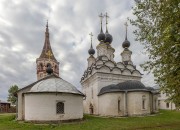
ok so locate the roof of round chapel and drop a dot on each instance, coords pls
(54, 84)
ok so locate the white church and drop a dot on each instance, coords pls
(109, 88)
(115, 88)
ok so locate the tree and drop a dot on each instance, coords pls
(158, 28)
(11, 97)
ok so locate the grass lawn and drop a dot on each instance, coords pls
(165, 120)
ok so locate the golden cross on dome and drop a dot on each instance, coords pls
(49, 54)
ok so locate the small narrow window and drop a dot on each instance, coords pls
(60, 108)
(143, 102)
(119, 105)
(167, 105)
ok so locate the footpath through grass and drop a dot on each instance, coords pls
(165, 120)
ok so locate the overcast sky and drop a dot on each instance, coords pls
(22, 27)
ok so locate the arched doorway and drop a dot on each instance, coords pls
(91, 109)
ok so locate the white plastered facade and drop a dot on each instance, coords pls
(38, 101)
(42, 106)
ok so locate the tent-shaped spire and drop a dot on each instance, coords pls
(47, 51)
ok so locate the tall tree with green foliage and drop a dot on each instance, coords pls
(11, 97)
(158, 28)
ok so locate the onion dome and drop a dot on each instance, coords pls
(101, 36)
(49, 69)
(91, 51)
(126, 43)
(108, 37)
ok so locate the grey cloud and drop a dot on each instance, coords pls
(70, 22)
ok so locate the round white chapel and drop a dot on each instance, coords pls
(53, 99)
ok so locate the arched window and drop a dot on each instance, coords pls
(167, 105)
(143, 102)
(60, 108)
(91, 109)
(119, 105)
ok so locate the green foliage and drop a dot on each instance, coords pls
(166, 120)
(158, 28)
(11, 97)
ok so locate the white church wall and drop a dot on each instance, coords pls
(42, 106)
(135, 105)
(21, 103)
(90, 89)
(163, 104)
(166, 105)
(106, 79)
(108, 104)
(98, 81)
